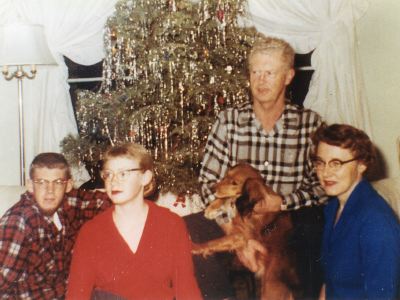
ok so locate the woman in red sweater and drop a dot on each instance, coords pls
(135, 249)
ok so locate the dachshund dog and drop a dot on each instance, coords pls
(237, 196)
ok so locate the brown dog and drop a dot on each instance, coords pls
(237, 195)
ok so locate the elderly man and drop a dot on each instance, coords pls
(274, 136)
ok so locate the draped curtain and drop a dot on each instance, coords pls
(73, 29)
(336, 89)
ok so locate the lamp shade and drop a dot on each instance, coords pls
(24, 44)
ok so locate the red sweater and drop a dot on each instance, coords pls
(161, 268)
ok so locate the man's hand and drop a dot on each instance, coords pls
(248, 256)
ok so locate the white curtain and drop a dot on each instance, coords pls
(73, 29)
(336, 90)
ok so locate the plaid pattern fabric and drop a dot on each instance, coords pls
(281, 156)
(34, 255)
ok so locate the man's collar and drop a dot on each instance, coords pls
(287, 119)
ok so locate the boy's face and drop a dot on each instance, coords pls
(48, 187)
(124, 180)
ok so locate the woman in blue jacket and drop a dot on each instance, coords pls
(361, 241)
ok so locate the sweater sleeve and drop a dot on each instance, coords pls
(380, 244)
(82, 274)
(185, 283)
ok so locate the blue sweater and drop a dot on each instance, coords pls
(361, 253)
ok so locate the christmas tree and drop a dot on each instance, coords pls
(170, 67)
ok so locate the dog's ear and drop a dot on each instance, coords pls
(251, 194)
(242, 204)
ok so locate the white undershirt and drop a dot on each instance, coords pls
(56, 221)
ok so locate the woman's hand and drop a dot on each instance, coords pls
(322, 293)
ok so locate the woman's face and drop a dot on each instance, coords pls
(338, 178)
(124, 180)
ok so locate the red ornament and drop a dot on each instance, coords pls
(180, 200)
(220, 15)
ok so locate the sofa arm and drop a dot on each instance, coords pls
(9, 195)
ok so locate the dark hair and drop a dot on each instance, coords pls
(50, 160)
(347, 137)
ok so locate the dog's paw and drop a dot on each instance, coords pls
(198, 249)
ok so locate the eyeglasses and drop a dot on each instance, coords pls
(334, 164)
(44, 183)
(123, 175)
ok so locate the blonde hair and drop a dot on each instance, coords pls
(135, 152)
(271, 44)
(132, 151)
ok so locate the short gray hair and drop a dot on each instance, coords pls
(271, 44)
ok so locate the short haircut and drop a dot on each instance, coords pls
(131, 151)
(265, 44)
(347, 137)
(50, 160)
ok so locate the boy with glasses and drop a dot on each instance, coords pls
(37, 234)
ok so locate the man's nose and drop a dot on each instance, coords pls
(263, 76)
(50, 187)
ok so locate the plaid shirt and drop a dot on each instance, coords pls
(34, 255)
(281, 155)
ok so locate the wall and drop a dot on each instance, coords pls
(379, 44)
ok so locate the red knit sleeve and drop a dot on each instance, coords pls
(82, 273)
(185, 280)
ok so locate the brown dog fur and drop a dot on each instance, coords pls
(239, 191)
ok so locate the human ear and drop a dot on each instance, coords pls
(147, 177)
(70, 185)
(29, 186)
(289, 76)
(361, 168)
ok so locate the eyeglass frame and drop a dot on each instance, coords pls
(44, 183)
(118, 174)
(329, 163)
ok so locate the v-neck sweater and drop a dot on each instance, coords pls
(161, 267)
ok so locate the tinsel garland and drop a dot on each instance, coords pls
(170, 67)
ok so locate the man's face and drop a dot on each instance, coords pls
(48, 187)
(269, 76)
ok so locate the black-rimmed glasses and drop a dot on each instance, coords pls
(334, 164)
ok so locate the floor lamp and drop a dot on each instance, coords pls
(22, 46)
